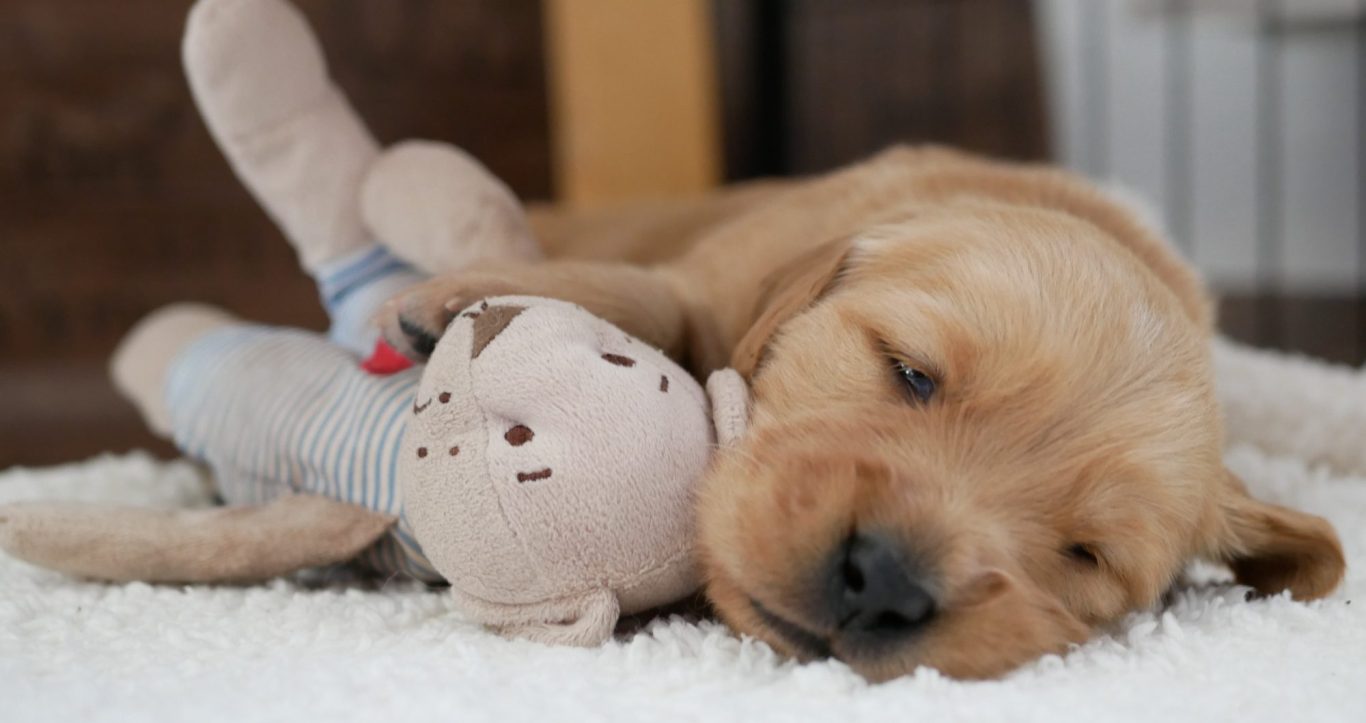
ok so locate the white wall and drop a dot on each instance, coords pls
(1246, 129)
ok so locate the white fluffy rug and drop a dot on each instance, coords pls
(71, 650)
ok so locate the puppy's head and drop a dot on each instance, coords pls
(978, 434)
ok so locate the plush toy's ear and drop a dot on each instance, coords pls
(786, 292)
(729, 405)
(218, 544)
(1273, 548)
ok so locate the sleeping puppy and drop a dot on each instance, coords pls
(983, 420)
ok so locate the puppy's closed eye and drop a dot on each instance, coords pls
(918, 385)
(1083, 554)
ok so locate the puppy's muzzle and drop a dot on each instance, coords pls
(876, 596)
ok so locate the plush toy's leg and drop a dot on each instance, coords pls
(584, 620)
(260, 79)
(261, 82)
(271, 411)
(142, 360)
(218, 544)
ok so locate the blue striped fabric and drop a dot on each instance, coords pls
(276, 410)
(354, 286)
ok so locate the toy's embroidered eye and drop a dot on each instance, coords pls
(421, 451)
(519, 435)
(919, 385)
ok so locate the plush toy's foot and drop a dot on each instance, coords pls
(261, 82)
(140, 363)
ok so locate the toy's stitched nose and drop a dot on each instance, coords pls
(489, 324)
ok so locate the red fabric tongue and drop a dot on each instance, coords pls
(384, 360)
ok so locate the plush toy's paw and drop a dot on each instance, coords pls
(438, 208)
(140, 362)
(251, 63)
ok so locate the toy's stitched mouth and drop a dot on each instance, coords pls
(420, 408)
(533, 476)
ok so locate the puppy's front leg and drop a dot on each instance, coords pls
(639, 300)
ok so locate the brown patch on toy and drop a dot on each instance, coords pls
(471, 315)
(533, 476)
(421, 451)
(619, 360)
(455, 451)
(490, 324)
(418, 408)
(519, 435)
(663, 384)
(443, 398)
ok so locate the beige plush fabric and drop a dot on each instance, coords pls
(260, 80)
(548, 469)
(437, 207)
(140, 362)
(202, 545)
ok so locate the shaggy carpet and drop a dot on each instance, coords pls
(291, 650)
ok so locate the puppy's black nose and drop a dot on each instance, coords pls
(876, 595)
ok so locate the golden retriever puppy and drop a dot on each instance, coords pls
(983, 418)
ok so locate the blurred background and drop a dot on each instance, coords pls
(1243, 120)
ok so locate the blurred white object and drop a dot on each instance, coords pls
(1284, 11)
(1241, 118)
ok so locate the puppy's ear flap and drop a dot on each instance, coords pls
(787, 291)
(1273, 548)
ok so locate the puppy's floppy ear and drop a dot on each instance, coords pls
(787, 291)
(1273, 548)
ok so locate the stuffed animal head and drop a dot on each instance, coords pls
(548, 468)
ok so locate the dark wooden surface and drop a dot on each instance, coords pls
(114, 201)
(1328, 327)
(809, 85)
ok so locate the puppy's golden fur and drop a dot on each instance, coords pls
(1067, 466)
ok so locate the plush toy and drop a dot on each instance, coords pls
(541, 463)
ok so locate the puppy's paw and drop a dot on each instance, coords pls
(413, 322)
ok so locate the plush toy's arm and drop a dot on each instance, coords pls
(143, 358)
(220, 544)
(438, 208)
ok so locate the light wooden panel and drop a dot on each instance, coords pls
(633, 98)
